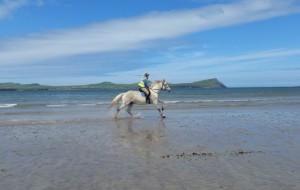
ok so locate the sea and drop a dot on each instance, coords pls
(30, 107)
(54, 99)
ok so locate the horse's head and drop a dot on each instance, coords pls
(165, 86)
(160, 85)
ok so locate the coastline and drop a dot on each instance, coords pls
(254, 147)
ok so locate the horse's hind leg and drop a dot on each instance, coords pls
(129, 109)
(119, 109)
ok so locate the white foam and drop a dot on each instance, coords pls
(56, 105)
(137, 116)
(209, 101)
(88, 104)
(103, 103)
(172, 102)
(7, 105)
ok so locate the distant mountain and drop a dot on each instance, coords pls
(104, 85)
(210, 83)
(18, 86)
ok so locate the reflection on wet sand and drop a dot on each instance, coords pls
(142, 137)
(194, 149)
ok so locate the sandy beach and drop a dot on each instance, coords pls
(193, 148)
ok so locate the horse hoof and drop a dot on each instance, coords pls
(163, 116)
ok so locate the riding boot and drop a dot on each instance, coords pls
(148, 100)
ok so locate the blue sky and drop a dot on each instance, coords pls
(243, 43)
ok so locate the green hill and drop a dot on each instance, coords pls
(210, 83)
(17, 86)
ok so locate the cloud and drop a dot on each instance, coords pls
(261, 68)
(248, 68)
(133, 33)
(9, 6)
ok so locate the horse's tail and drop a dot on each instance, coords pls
(116, 100)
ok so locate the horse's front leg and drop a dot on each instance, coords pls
(162, 105)
(159, 109)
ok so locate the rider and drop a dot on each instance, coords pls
(143, 87)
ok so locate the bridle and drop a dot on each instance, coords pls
(163, 87)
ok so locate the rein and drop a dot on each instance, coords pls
(158, 89)
(154, 90)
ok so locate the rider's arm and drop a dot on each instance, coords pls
(146, 83)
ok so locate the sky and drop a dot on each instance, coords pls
(243, 43)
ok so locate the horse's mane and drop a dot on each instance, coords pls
(156, 81)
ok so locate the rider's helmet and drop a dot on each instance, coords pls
(146, 75)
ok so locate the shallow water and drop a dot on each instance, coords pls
(193, 148)
(231, 97)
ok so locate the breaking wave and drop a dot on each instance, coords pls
(7, 105)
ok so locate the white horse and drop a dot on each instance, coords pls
(135, 97)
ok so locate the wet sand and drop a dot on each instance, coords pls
(193, 148)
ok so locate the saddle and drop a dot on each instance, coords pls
(142, 93)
